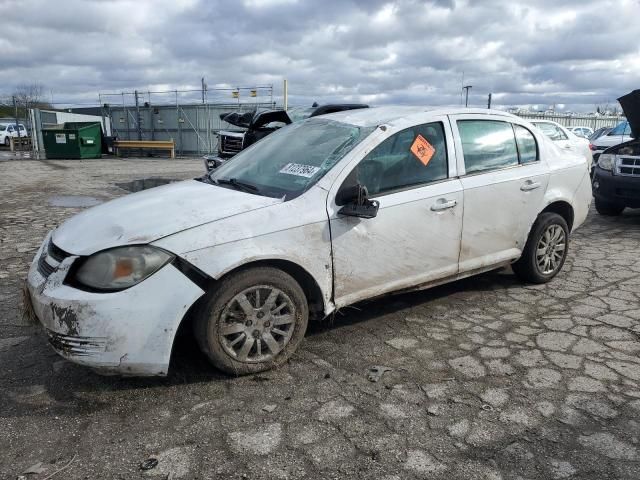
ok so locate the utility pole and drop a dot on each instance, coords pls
(285, 94)
(466, 88)
(489, 101)
(15, 107)
(139, 128)
(204, 88)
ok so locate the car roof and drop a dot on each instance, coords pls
(373, 116)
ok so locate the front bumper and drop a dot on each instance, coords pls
(130, 332)
(618, 189)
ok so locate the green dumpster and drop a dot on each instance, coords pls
(73, 140)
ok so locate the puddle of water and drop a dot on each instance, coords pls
(144, 184)
(73, 201)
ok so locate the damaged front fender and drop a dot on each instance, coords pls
(129, 332)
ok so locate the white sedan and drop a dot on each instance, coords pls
(566, 139)
(318, 215)
(581, 131)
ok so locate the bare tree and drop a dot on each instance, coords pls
(30, 95)
(26, 96)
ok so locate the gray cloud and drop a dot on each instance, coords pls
(526, 52)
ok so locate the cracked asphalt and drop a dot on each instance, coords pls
(488, 379)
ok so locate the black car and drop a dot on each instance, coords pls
(259, 124)
(616, 176)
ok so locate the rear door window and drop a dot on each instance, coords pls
(487, 145)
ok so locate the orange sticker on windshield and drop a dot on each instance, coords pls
(422, 149)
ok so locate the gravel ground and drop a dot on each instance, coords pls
(488, 379)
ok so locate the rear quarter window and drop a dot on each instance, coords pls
(527, 145)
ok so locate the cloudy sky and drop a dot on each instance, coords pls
(572, 53)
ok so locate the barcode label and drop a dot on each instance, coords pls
(307, 171)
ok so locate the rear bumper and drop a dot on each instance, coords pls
(618, 189)
(130, 332)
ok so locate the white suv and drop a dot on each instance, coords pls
(8, 130)
(318, 215)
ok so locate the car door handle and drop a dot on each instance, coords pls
(443, 204)
(529, 185)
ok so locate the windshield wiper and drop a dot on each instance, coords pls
(247, 187)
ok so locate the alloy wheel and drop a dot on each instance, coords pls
(257, 324)
(551, 249)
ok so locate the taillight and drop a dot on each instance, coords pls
(592, 147)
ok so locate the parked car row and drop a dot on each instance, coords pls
(326, 212)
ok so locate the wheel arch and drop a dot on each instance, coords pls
(307, 282)
(562, 208)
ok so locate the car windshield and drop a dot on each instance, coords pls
(622, 128)
(289, 161)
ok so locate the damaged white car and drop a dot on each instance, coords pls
(318, 215)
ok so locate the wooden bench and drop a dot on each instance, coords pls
(146, 144)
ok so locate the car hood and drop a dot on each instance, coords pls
(630, 104)
(149, 215)
(609, 140)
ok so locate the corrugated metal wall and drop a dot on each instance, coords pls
(193, 127)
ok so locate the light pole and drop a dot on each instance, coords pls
(466, 88)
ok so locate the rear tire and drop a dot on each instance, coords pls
(545, 251)
(252, 321)
(6, 141)
(607, 208)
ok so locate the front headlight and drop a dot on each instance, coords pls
(120, 267)
(606, 161)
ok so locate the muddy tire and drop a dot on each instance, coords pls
(252, 321)
(545, 251)
(608, 208)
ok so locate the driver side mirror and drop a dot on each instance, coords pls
(356, 202)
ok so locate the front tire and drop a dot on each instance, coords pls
(545, 251)
(607, 208)
(6, 141)
(253, 321)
